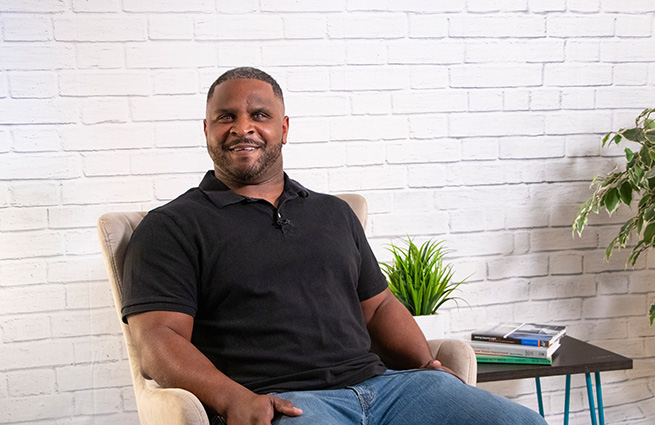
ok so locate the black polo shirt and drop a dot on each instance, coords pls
(275, 292)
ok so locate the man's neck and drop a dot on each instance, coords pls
(268, 190)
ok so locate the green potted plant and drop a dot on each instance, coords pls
(422, 281)
(635, 182)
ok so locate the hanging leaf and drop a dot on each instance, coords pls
(649, 233)
(629, 154)
(625, 191)
(611, 199)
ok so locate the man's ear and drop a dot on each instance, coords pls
(285, 129)
(204, 127)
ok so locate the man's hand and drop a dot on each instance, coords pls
(259, 410)
(436, 365)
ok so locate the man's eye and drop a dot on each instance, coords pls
(224, 118)
(259, 115)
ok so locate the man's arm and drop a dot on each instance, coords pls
(163, 342)
(395, 336)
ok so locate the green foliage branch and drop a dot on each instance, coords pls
(420, 278)
(622, 187)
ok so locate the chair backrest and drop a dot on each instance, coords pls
(114, 231)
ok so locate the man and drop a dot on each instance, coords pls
(264, 299)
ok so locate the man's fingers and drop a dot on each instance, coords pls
(433, 365)
(285, 407)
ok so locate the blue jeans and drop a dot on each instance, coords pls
(406, 398)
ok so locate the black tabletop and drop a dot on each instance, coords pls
(573, 356)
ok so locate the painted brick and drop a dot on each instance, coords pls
(103, 6)
(41, 111)
(98, 402)
(541, 6)
(366, 52)
(634, 6)
(497, 26)
(504, 291)
(245, 53)
(104, 83)
(582, 50)
(422, 223)
(429, 175)
(304, 26)
(574, 122)
(485, 100)
(81, 242)
(480, 149)
(31, 382)
(83, 323)
(39, 138)
(309, 130)
(107, 137)
(167, 188)
(417, 101)
(17, 409)
(12, 219)
(313, 105)
(531, 147)
(557, 239)
(495, 76)
(516, 100)
(312, 155)
(428, 77)
(32, 85)
(175, 82)
(512, 50)
(504, 6)
(482, 173)
(425, 52)
(634, 26)
(545, 99)
(578, 98)
(170, 27)
(98, 190)
(366, 178)
(584, 6)
(428, 26)
(476, 220)
(566, 263)
(300, 6)
(440, 150)
(613, 306)
(239, 27)
(368, 128)
(77, 269)
(202, 6)
(428, 126)
(549, 288)
(578, 75)
(89, 295)
(367, 25)
(369, 78)
(33, 298)
(427, 6)
(168, 108)
(41, 6)
(371, 103)
(303, 53)
(35, 193)
(99, 110)
(101, 27)
(624, 97)
(167, 54)
(613, 283)
(630, 74)
(627, 50)
(580, 26)
(26, 328)
(27, 28)
(39, 166)
(23, 272)
(99, 55)
(496, 124)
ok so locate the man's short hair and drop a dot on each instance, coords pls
(246, 73)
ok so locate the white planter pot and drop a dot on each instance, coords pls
(432, 326)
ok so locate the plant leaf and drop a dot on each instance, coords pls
(625, 191)
(611, 199)
(649, 233)
(629, 154)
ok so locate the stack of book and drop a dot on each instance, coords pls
(523, 343)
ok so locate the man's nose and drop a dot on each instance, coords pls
(241, 127)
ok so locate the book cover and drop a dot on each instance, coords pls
(533, 334)
(504, 349)
(513, 360)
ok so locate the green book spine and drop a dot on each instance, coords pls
(515, 360)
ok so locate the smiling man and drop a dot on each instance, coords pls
(264, 299)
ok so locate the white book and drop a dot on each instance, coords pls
(501, 349)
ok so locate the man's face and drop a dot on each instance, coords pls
(245, 128)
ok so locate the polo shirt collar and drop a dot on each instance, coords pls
(221, 195)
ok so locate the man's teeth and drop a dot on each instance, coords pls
(243, 149)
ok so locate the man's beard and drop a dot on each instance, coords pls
(246, 173)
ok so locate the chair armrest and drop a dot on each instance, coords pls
(457, 356)
(169, 406)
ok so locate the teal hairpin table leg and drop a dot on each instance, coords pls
(590, 396)
(599, 393)
(567, 400)
(539, 399)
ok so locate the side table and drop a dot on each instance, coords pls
(573, 356)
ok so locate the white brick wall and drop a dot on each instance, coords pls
(473, 121)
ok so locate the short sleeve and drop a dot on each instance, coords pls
(161, 269)
(371, 279)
